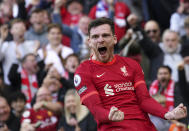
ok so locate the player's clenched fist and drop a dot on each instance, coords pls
(115, 114)
(179, 112)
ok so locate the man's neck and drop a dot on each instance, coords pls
(18, 40)
(54, 46)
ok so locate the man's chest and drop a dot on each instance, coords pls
(114, 80)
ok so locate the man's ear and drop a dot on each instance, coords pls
(88, 42)
(115, 39)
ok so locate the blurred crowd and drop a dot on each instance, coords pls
(42, 42)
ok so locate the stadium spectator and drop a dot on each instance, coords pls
(152, 29)
(71, 64)
(54, 53)
(78, 34)
(13, 51)
(43, 115)
(37, 30)
(165, 53)
(5, 12)
(29, 78)
(77, 117)
(7, 119)
(17, 103)
(177, 18)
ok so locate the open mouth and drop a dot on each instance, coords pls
(73, 66)
(102, 50)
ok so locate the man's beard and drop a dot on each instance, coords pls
(170, 50)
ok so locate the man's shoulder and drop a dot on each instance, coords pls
(125, 59)
(84, 64)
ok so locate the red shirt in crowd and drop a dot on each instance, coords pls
(119, 83)
(70, 20)
(48, 120)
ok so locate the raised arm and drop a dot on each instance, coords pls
(56, 18)
(149, 105)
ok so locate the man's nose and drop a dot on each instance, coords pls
(100, 39)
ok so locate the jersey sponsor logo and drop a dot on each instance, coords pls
(124, 70)
(84, 88)
(77, 80)
(100, 75)
(124, 86)
(108, 90)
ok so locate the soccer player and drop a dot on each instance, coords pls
(113, 87)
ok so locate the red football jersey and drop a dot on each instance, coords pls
(48, 121)
(114, 84)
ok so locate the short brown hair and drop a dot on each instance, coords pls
(50, 26)
(14, 21)
(101, 21)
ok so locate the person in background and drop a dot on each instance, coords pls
(54, 86)
(77, 117)
(37, 30)
(78, 34)
(162, 90)
(163, 86)
(152, 30)
(55, 53)
(17, 103)
(168, 52)
(71, 12)
(71, 64)
(177, 18)
(5, 12)
(28, 78)
(13, 51)
(7, 119)
(43, 115)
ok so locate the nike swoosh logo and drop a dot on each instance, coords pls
(100, 75)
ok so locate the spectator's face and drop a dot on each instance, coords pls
(18, 29)
(31, 64)
(163, 76)
(186, 7)
(4, 110)
(5, 10)
(37, 21)
(46, 18)
(70, 103)
(170, 41)
(53, 85)
(102, 41)
(83, 24)
(55, 36)
(75, 8)
(153, 31)
(54, 73)
(18, 105)
(43, 94)
(71, 64)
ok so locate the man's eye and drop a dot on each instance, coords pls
(106, 35)
(95, 36)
